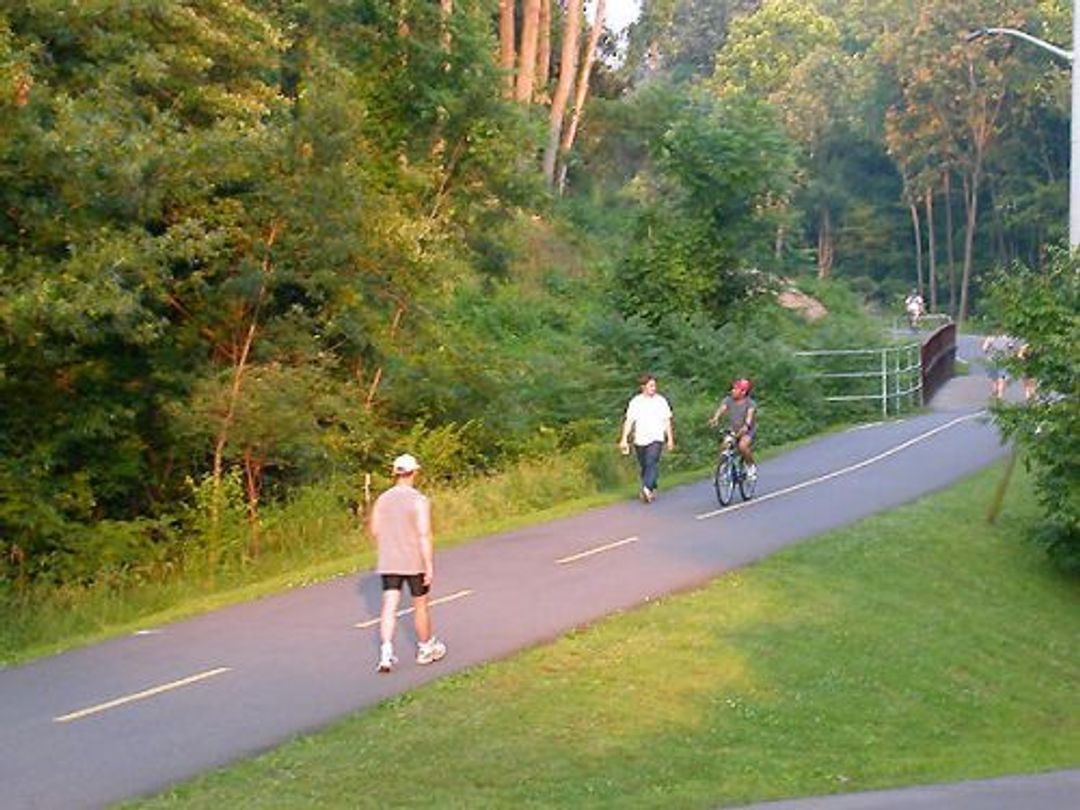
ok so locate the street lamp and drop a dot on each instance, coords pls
(1074, 116)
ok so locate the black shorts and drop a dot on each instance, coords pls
(393, 582)
(751, 433)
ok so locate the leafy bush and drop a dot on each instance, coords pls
(1042, 309)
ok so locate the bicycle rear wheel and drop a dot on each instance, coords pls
(724, 481)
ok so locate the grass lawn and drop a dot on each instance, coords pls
(918, 646)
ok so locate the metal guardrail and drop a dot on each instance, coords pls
(894, 374)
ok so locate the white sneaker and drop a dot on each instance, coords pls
(387, 659)
(430, 652)
(751, 472)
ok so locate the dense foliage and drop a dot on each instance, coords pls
(923, 159)
(1042, 310)
(232, 240)
(250, 249)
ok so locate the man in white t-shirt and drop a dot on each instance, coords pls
(648, 418)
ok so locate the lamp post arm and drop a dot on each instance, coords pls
(1074, 118)
(1014, 32)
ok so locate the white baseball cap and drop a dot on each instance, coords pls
(405, 464)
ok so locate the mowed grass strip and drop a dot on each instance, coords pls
(915, 647)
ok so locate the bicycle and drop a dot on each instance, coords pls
(731, 472)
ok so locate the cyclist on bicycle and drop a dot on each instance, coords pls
(742, 420)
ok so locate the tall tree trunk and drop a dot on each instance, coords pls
(950, 248)
(253, 467)
(1004, 254)
(916, 232)
(931, 248)
(376, 378)
(581, 93)
(980, 131)
(530, 30)
(240, 354)
(543, 56)
(447, 9)
(507, 51)
(971, 213)
(825, 243)
(567, 70)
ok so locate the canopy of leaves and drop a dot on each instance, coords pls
(1042, 309)
(719, 166)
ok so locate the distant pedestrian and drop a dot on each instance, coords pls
(1029, 383)
(401, 526)
(649, 420)
(998, 349)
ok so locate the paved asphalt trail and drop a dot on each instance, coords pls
(135, 714)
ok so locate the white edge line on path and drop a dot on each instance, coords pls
(157, 690)
(442, 600)
(867, 426)
(597, 550)
(845, 470)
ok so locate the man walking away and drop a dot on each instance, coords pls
(648, 417)
(401, 526)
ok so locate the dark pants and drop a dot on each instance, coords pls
(648, 457)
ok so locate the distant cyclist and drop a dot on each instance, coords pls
(742, 420)
(915, 308)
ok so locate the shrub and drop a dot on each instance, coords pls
(1042, 309)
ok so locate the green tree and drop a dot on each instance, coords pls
(99, 158)
(196, 192)
(709, 217)
(952, 95)
(1042, 309)
(789, 53)
(683, 37)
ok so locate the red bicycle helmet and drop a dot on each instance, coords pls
(742, 386)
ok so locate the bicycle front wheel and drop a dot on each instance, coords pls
(747, 485)
(724, 481)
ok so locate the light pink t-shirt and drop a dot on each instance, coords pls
(397, 521)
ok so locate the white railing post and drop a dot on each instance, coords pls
(885, 383)
(918, 374)
(896, 387)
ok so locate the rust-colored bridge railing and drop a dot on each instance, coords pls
(938, 355)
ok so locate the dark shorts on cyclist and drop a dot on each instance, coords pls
(751, 433)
